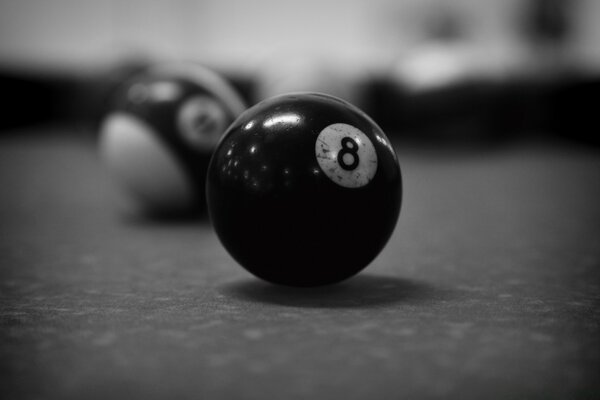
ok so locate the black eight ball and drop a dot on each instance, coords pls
(304, 189)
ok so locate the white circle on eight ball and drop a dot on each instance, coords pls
(346, 155)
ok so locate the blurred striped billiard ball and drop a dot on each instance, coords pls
(304, 189)
(159, 134)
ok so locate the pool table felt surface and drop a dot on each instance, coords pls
(489, 288)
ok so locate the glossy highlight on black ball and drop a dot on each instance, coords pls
(304, 189)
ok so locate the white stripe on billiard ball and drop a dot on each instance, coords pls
(143, 164)
(207, 79)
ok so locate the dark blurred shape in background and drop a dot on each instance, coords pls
(458, 72)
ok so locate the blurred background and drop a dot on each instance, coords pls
(442, 71)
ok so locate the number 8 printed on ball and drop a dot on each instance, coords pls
(346, 155)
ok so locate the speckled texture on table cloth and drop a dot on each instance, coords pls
(489, 288)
